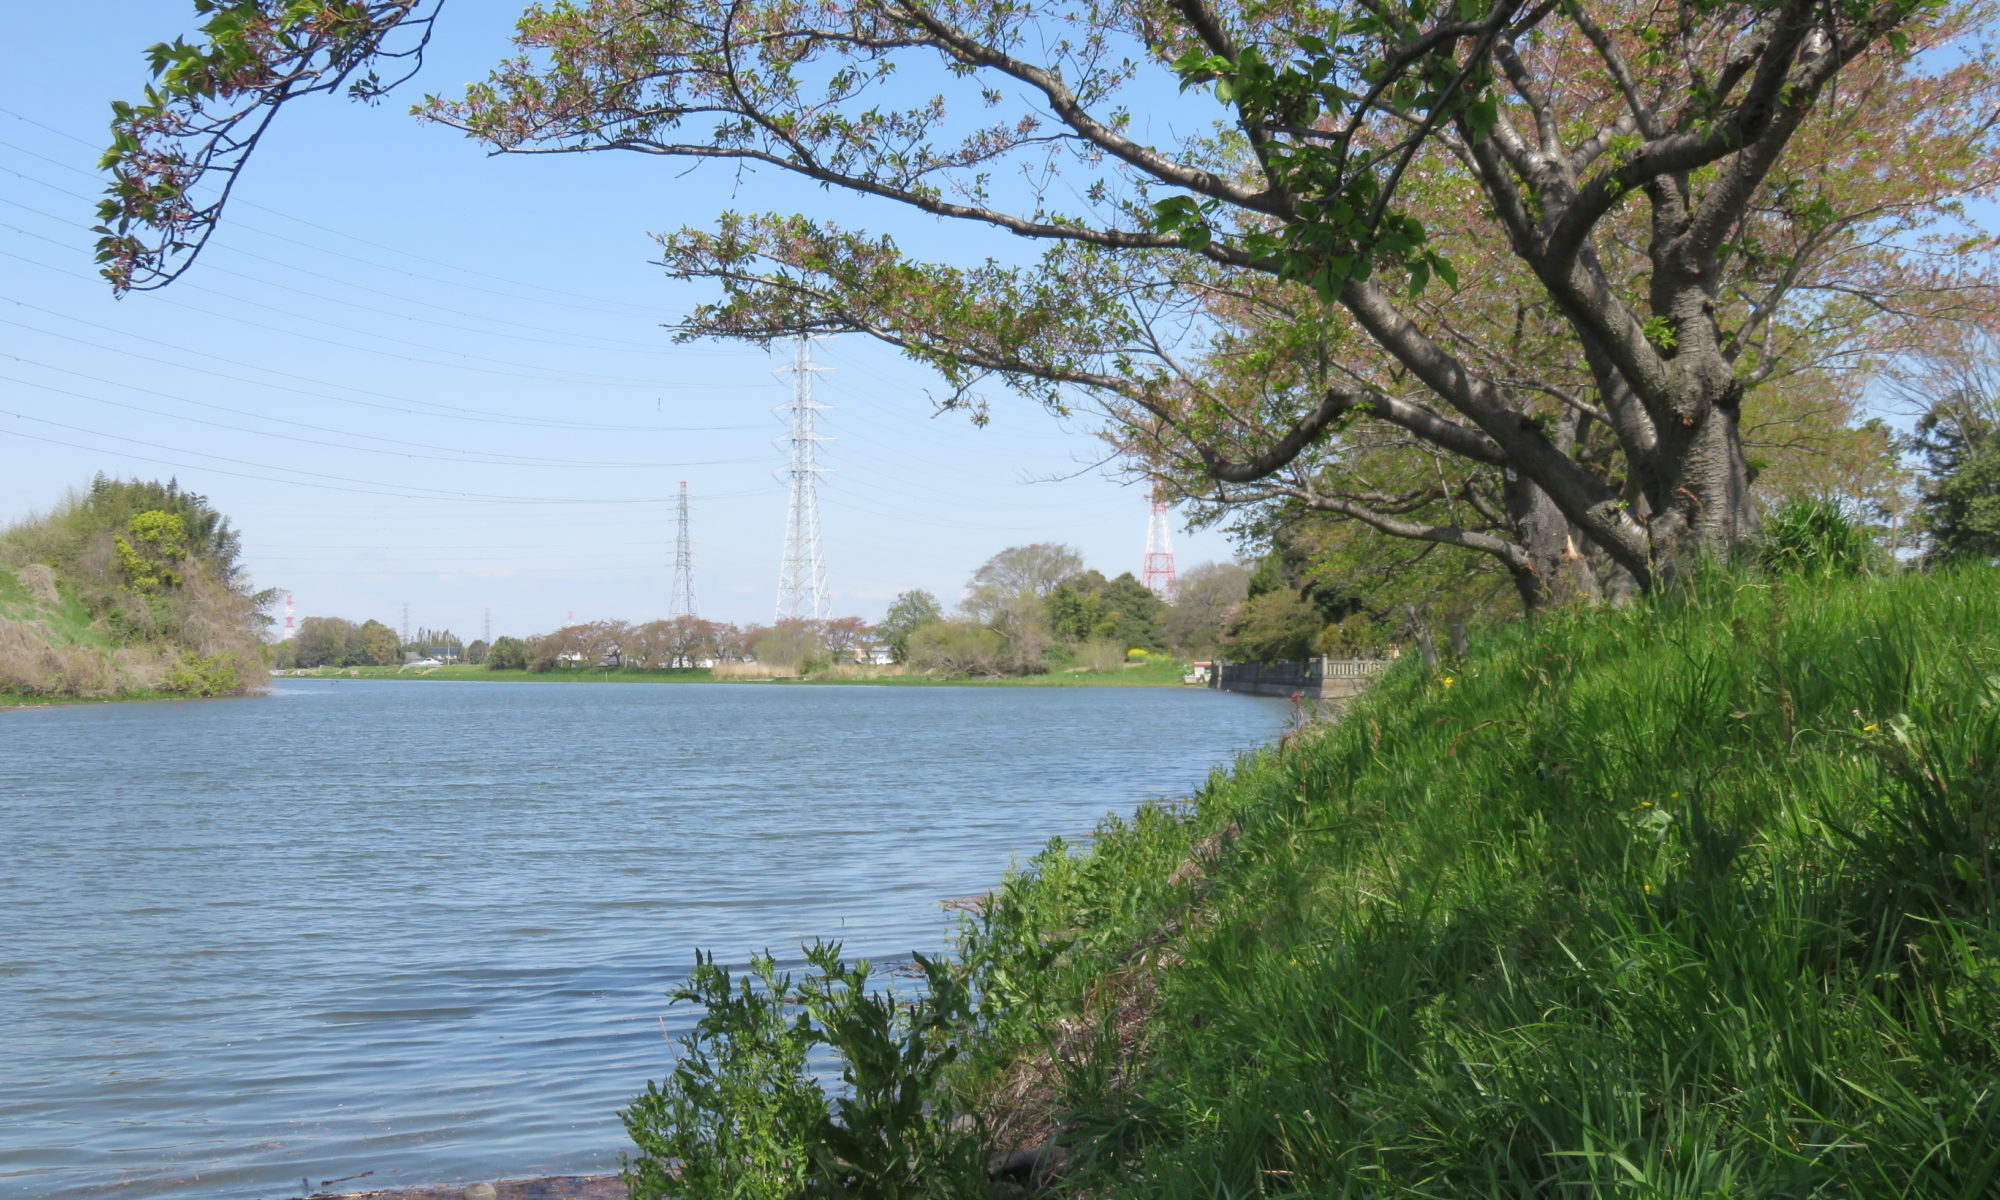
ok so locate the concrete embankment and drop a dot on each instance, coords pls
(1311, 678)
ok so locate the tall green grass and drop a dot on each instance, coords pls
(1691, 900)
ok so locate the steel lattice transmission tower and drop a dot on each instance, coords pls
(1159, 573)
(802, 574)
(682, 604)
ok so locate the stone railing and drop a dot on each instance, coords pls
(1313, 678)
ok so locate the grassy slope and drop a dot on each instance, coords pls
(68, 625)
(1691, 901)
(1160, 673)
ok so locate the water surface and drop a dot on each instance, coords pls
(427, 930)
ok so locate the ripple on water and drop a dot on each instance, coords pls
(428, 931)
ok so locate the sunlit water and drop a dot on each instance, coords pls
(427, 930)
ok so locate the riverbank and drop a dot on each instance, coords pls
(1158, 673)
(1694, 899)
(551, 1187)
(17, 702)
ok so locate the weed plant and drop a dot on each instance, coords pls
(742, 1116)
(1695, 899)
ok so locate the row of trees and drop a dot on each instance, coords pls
(676, 643)
(338, 642)
(1027, 609)
(1031, 608)
(680, 642)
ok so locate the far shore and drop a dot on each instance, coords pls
(1158, 673)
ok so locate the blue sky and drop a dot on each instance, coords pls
(415, 374)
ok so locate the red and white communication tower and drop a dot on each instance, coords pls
(1159, 574)
(290, 628)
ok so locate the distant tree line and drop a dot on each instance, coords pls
(1036, 608)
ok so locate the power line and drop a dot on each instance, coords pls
(369, 486)
(441, 411)
(592, 303)
(522, 372)
(402, 451)
(374, 291)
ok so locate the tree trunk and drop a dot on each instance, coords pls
(1542, 532)
(1706, 512)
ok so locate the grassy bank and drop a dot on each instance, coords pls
(1159, 673)
(46, 634)
(1695, 900)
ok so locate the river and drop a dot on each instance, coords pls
(426, 930)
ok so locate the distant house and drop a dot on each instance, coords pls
(443, 654)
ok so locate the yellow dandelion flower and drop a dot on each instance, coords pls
(1448, 681)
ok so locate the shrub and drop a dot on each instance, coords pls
(741, 1115)
(790, 648)
(957, 648)
(1815, 537)
(507, 654)
(216, 675)
(1100, 656)
(743, 670)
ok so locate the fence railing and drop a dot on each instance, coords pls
(1352, 668)
(1313, 676)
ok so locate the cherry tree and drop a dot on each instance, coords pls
(1549, 248)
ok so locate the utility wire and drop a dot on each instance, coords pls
(419, 493)
(402, 444)
(521, 371)
(613, 345)
(444, 411)
(504, 461)
(595, 303)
